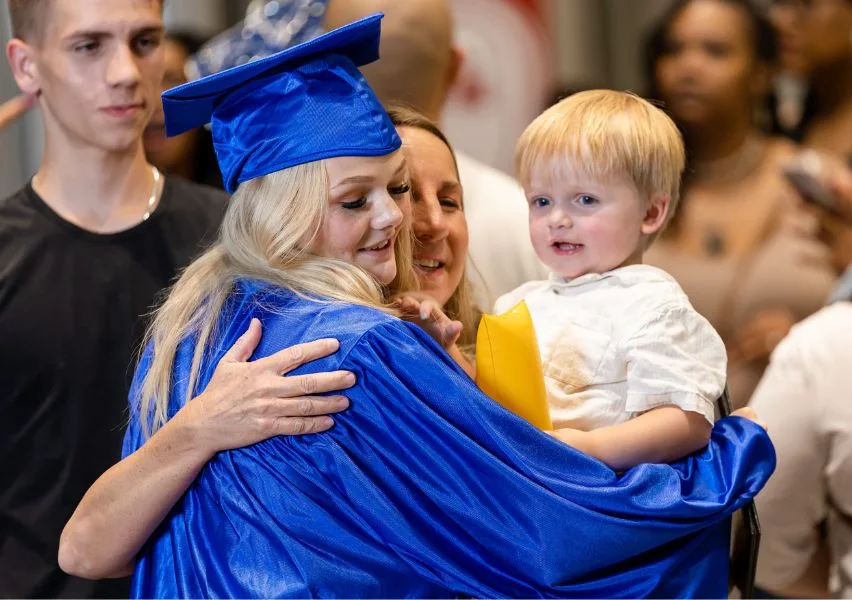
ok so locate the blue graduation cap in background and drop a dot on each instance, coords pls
(269, 26)
(306, 103)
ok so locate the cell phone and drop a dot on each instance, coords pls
(804, 175)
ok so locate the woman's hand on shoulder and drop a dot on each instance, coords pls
(248, 402)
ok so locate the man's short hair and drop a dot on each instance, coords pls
(29, 19)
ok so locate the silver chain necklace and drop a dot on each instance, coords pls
(152, 200)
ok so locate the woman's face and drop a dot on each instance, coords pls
(707, 73)
(368, 200)
(438, 217)
(827, 26)
(163, 152)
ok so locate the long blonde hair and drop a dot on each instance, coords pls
(269, 223)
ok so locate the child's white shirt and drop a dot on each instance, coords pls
(617, 344)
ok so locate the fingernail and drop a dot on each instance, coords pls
(349, 379)
(326, 422)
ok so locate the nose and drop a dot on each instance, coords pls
(429, 220)
(386, 213)
(688, 66)
(559, 219)
(122, 70)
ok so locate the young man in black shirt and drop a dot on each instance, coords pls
(85, 249)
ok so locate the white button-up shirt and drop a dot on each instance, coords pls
(805, 399)
(620, 343)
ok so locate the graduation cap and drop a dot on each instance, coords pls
(268, 27)
(306, 103)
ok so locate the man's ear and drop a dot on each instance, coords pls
(656, 210)
(24, 67)
(456, 63)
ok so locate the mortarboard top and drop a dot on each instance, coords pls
(269, 26)
(306, 103)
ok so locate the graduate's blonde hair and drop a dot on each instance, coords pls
(606, 134)
(269, 223)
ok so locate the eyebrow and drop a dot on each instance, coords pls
(103, 34)
(369, 178)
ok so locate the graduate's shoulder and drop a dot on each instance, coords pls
(288, 318)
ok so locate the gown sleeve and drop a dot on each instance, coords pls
(426, 487)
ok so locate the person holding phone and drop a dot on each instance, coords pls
(741, 246)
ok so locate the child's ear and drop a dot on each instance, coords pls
(656, 210)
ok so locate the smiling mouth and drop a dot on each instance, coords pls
(566, 247)
(378, 247)
(428, 264)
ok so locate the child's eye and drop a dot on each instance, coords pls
(540, 201)
(585, 200)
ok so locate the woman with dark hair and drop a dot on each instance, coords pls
(189, 155)
(740, 245)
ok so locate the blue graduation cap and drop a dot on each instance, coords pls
(269, 26)
(306, 103)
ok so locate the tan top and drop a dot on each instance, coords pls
(787, 271)
(771, 261)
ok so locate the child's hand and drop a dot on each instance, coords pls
(749, 413)
(426, 312)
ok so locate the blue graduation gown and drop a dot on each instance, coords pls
(426, 487)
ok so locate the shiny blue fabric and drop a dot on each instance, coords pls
(303, 104)
(268, 27)
(427, 488)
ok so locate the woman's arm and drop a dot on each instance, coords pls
(14, 109)
(661, 435)
(244, 403)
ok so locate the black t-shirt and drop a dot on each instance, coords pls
(73, 308)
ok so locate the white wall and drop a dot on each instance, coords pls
(600, 42)
(20, 143)
(629, 24)
(204, 17)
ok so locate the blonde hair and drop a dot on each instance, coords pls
(606, 134)
(460, 306)
(269, 223)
